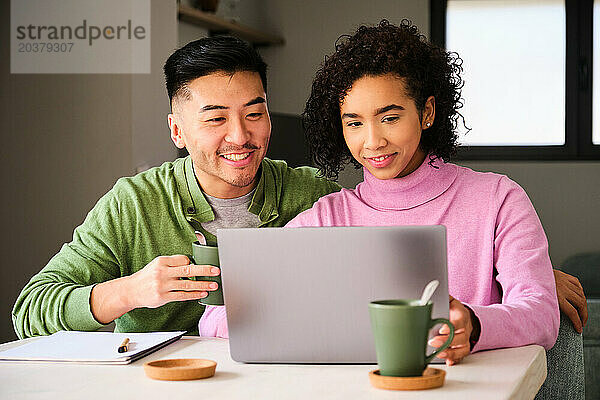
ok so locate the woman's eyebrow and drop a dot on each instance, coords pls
(388, 108)
(349, 115)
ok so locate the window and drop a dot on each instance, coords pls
(527, 71)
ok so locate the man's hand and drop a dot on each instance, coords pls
(154, 285)
(158, 282)
(460, 316)
(571, 299)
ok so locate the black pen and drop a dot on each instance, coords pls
(123, 347)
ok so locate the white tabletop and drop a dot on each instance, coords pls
(499, 374)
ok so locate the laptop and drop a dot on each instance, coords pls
(301, 295)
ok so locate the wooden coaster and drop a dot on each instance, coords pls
(182, 369)
(431, 378)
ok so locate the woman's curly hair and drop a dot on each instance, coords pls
(426, 69)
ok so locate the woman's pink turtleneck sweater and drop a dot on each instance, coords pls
(498, 260)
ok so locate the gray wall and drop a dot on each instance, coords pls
(310, 29)
(150, 135)
(66, 139)
(566, 196)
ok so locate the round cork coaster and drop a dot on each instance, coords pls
(431, 378)
(182, 369)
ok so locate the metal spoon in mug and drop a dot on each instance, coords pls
(428, 291)
(200, 237)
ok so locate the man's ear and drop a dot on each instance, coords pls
(175, 127)
(428, 113)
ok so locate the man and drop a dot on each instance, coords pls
(125, 261)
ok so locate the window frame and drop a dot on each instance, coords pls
(578, 91)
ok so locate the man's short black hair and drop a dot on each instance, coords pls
(208, 55)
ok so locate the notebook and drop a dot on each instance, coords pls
(90, 347)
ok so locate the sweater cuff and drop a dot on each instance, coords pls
(481, 342)
(78, 311)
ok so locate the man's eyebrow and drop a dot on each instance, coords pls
(257, 100)
(349, 115)
(212, 107)
(388, 108)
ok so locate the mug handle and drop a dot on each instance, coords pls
(446, 344)
(191, 258)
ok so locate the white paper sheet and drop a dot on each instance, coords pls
(90, 347)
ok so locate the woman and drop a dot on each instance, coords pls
(388, 101)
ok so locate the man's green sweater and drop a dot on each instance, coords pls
(151, 214)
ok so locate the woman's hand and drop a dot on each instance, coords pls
(462, 318)
(571, 299)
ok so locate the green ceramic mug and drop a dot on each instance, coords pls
(208, 255)
(401, 330)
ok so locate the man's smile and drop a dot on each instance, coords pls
(236, 156)
(238, 159)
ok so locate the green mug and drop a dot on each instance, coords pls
(401, 330)
(208, 255)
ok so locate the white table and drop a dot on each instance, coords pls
(500, 374)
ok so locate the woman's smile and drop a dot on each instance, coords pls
(381, 161)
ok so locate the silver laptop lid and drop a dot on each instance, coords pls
(301, 295)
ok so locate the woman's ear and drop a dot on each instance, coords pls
(428, 113)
